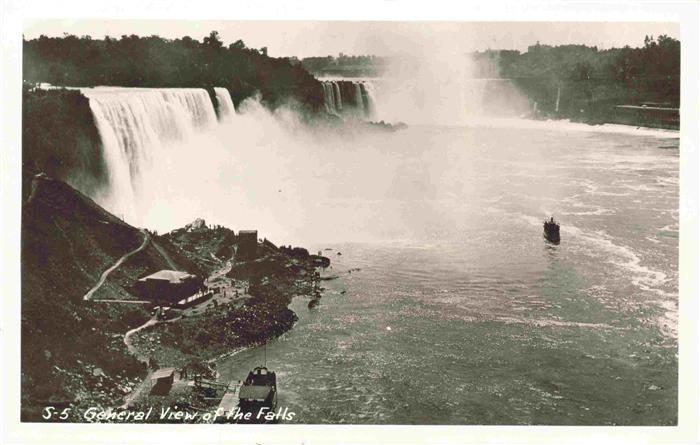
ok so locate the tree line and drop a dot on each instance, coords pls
(133, 61)
(648, 73)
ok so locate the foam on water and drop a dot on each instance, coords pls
(641, 276)
(568, 126)
(623, 256)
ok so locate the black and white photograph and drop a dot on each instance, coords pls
(278, 221)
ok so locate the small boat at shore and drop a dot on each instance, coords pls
(551, 231)
(258, 394)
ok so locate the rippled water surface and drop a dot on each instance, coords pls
(462, 314)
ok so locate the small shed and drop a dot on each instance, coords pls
(162, 380)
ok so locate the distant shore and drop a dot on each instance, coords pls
(633, 117)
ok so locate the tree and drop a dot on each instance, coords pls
(213, 40)
(238, 44)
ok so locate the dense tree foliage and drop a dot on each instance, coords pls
(134, 61)
(657, 58)
(649, 73)
(587, 84)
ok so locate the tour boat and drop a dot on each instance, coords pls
(551, 231)
(258, 391)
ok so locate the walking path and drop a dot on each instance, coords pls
(144, 385)
(165, 255)
(119, 262)
(123, 301)
(130, 345)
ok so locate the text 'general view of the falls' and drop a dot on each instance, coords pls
(214, 235)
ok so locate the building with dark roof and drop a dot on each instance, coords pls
(247, 245)
(169, 286)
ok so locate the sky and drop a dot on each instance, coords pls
(321, 38)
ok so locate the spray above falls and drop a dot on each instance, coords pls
(461, 101)
(169, 159)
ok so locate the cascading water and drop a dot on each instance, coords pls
(348, 98)
(135, 126)
(337, 96)
(223, 99)
(328, 98)
(360, 103)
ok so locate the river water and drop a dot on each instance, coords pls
(460, 312)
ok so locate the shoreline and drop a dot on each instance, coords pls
(601, 122)
(262, 316)
(229, 354)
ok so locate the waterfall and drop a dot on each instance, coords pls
(371, 96)
(331, 97)
(368, 99)
(325, 97)
(328, 98)
(349, 97)
(136, 125)
(359, 102)
(223, 99)
(336, 95)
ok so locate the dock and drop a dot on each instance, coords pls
(229, 402)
